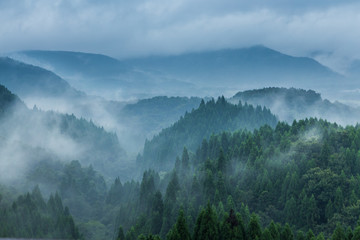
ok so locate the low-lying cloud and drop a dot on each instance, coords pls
(132, 28)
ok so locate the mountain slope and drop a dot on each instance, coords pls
(290, 104)
(8, 101)
(104, 76)
(239, 66)
(28, 136)
(304, 175)
(27, 80)
(190, 130)
(88, 64)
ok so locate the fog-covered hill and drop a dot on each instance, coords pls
(189, 131)
(291, 103)
(28, 80)
(28, 136)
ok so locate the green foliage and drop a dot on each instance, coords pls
(206, 227)
(121, 235)
(290, 174)
(190, 130)
(29, 216)
(254, 228)
(180, 229)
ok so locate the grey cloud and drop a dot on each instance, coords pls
(138, 27)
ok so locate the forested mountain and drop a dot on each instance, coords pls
(304, 177)
(82, 189)
(291, 103)
(30, 216)
(27, 80)
(28, 136)
(243, 65)
(210, 117)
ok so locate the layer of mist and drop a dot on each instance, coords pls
(290, 104)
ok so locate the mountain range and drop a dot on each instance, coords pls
(188, 74)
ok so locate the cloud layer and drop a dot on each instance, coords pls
(137, 27)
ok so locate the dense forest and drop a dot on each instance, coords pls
(30, 216)
(52, 133)
(209, 118)
(304, 177)
(229, 171)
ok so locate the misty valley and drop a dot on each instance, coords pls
(245, 143)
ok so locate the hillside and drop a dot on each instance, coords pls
(210, 117)
(71, 63)
(240, 66)
(8, 101)
(295, 181)
(291, 103)
(104, 76)
(28, 136)
(27, 80)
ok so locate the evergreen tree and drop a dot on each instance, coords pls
(338, 233)
(286, 233)
(121, 235)
(180, 229)
(356, 235)
(254, 229)
(206, 227)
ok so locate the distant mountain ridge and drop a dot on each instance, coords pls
(89, 64)
(238, 65)
(25, 80)
(102, 75)
(188, 74)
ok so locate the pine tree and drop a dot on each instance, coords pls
(286, 233)
(356, 235)
(206, 227)
(338, 233)
(320, 236)
(121, 235)
(338, 200)
(254, 229)
(310, 235)
(274, 231)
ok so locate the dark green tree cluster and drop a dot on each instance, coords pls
(304, 176)
(30, 216)
(210, 226)
(211, 117)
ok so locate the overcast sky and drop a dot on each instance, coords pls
(122, 28)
